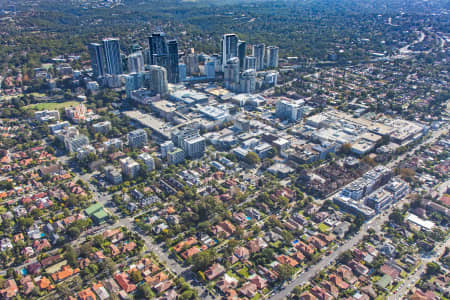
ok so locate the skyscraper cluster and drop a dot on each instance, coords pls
(239, 68)
(105, 57)
(165, 54)
(150, 70)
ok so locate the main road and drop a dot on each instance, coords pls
(375, 223)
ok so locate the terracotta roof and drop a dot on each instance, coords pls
(286, 260)
(186, 243)
(260, 282)
(242, 252)
(124, 282)
(44, 283)
(307, 296)
(337, 280)
(190, 252)
(214, 271)
(154, 280)
(249, 289)
(128, 247)
(320, 293)
(66, 271)
(10, 289)
(87, 294)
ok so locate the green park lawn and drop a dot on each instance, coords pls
(52, 105)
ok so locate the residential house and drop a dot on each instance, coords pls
(66, 272)
(157, 279)
(34, 268)
(27, 284)
(358, 267)
(286, 260)
(307, 296)
(214, 271)
(190, 252)
(87, 294)
(227, 282)
(114, 250)
(304, 248)
(339, 282)
(298, 256)
(391, 269)
(320, 293)
(163, 286)
(317, 242)
(124, 282)
(111, 285)
(225, 228)
(256, 245)
(9, 290)
(249, 289)
(346, 273)
(169, 295)
(260, 282)
(242, 253)
(185, 244)
(44, 283)
(128, 247)
(331, 288)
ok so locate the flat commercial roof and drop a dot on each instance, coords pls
(426, 224)
(165, 106)
(149, 121)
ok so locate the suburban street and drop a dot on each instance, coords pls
(172, 265)
(305, 277)
(410, 281)
(375, 223)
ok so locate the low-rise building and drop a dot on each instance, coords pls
(102, 127)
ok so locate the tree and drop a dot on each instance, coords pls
(202, 260)
(264, 257)
(74, 232)
(252, 158)
(71, 255)
(63, 289)
(285, 272)
(345, 257)
(136, 276)
(396, 216)
(145, 291)
(187, 295)
(108, 266)
(433, 269)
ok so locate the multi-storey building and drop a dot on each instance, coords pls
(137, 138)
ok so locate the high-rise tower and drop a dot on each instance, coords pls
(158, 47)
(229, 47)
(258, 52)
(113, 61)
(97, 54)
(173, 73)
(272, 57)
(242, 49)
